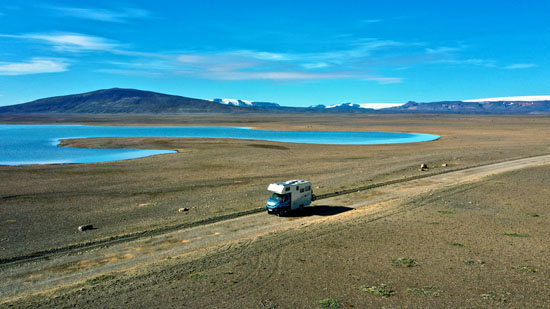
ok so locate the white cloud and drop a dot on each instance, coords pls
(261, 65)
(385, 80)
(316, 65)
(274, 75)
(123, 15)
(520, 66)
(74, 41)
(34, 66)
(69, 41)
(262, 55)
(474, 61)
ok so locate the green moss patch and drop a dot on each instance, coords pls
(329, 303)
(404, 262)
(197, 276)
(526, 268)
(379, 290)
(515, 234)
(100, 279)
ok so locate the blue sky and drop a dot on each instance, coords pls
(295, 53)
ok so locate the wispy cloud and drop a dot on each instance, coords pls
(517, 66)
(268, 75)
(123, 15)
(264, 65)
(371, 21)
(361, 59)
(489, 63)
(443, 50)
(69, 41)
(385, 80)
(34, 66)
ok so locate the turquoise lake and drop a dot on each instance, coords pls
(38, 144)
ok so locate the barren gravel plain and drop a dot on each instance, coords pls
(480, 244)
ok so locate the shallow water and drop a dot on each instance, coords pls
(38, 144)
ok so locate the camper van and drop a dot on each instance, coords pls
(289, 195)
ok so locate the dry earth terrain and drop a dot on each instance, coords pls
(446, 233)
(481, 244)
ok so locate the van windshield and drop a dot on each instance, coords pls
(279, 197)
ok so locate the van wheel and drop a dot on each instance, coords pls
(313, 197)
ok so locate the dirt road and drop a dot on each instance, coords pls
(59, 271)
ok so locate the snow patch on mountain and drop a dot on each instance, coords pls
(365, 105)
(244, 103)
(233, 102)
(515, 99)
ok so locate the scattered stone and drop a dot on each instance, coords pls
(457, 244)
(444, 165)
(183, 209)
(268, 303)
(425, 290)
(86, 227)
(502, 297)
(423, 167)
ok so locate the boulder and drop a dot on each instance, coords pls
(183, 209)
(85, 227)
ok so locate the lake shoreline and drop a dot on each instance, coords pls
(29, 142)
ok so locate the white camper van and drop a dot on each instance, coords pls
(289, 195)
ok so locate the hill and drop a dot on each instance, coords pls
(117, 100)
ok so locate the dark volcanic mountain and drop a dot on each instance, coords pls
(116, 100)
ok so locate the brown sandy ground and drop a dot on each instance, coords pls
(41, 206)
(483, 244)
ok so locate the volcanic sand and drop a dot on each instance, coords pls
(481, 244)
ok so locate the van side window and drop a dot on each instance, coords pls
(287, 189)
(297, 188)
(302, 190)
(308, 188)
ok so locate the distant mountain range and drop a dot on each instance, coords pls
(476, 107)
(117, 100)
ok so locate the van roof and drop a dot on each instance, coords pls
(293, 182)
